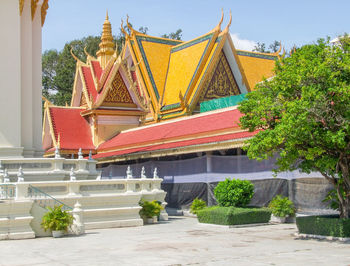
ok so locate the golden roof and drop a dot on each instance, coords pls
(257, 65)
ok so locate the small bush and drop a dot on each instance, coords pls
(324, 225)
(233, 216)
(282, 206)
(197, 205)
(150, 208)
(235, 192)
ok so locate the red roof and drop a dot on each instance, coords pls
(89, 81)
(177, 144)
(97, 69)
(74, 130)
(195, 125)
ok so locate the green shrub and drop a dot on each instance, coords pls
(233, 216)
(56, 219)
(150, 208)
(235, 192)
(197, 205)
(324, 225)
(282, 206)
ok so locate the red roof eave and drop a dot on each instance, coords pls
(185, 143)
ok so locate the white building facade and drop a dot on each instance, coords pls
(20, 77)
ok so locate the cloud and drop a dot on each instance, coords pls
(241, 44)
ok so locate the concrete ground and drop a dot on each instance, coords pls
(179, 241)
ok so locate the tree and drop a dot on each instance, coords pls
(58, 68)
(177, 35)
(303, 115)
(261, 47)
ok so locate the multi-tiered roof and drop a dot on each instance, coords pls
(154, 81)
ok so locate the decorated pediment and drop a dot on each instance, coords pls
(222, 83)
(118, 93)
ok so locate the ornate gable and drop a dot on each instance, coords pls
(118, 92)
(222, 83)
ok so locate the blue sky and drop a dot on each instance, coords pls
(292, 22)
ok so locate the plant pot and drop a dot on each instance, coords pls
(277, 219)
(155, 219)
(57, 234)
(150, 220)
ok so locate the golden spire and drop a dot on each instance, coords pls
(106, 45)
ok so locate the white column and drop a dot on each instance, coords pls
(10, 80)
(37, 82)
(27, 81)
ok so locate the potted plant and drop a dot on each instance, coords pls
(281, 208)
(57, 220)
(150, 211)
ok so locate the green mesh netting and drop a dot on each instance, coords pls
(221, 103)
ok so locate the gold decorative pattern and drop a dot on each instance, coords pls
(222, 82)
(34, 6)
(21, 5)
(44, 8)
(83, 100)
(118, 93)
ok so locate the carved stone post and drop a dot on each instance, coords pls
(130, 185)
(20, 175)
(78, 227)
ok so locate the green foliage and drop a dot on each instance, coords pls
(333, 199)
(303, 115)
(197, 205)
(56, 219)
(324, 225)
(233, 216)
(282, 206)
(150, 208)
(177, 35)
(261, 47)
(235, 192)
(58, 68)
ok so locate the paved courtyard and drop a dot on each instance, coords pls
(179, 241)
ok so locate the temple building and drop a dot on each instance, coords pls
(171, 105)
(148, 101)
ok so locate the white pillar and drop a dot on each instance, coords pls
(10, 80)
(26, 81)
(37, 82)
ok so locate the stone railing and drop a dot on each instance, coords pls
(87, 187)
(46, 169)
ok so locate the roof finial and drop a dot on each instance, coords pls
(122, 29)
(127, 22)
(222, 16)
(107, 18)
(229, 23)
(277, 53)
(74, 56)
(86, 53)
(218, 27)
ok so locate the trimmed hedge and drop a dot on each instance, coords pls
(330, 225)
(233, 215)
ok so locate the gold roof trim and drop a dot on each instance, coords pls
(44, 8)
(33, 7)
(21, 5)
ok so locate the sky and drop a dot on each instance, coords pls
(295, 22)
